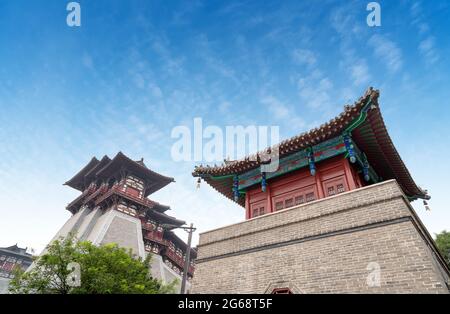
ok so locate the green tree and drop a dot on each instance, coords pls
(106, 269)
(443, 244)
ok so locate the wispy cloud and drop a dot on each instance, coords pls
(155, 90)
(87, 61)
(360, 73)
(278, 109)
(426, 45)
(344, 20)
(213, 60)
(314, 90)
(387, 51)
(282, 112)
(173, 65)
(266, 63)
(427, 49)
(304, 56)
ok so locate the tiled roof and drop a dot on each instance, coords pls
(157, 180)
(106, 167)
(77, 181)
(371, 137)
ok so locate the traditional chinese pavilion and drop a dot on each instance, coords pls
(348, 152)
(10, 258)
(114, 207)
(334, 216)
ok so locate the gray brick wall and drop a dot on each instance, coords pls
(327, 246)
(123, 232)
(4, 285)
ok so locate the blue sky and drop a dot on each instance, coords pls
(135, 70)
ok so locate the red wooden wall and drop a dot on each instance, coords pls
(333, 176)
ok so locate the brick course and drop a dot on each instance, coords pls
(325, 247)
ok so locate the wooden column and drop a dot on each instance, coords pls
(269, 199)
(349, 175)
(247, 205)
(319, 185)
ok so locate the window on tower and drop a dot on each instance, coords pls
(279, 205)
(262, 211)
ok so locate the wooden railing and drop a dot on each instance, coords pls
(96, 193)
(150, 233)
(86, 194)
(156, 237)
(178, 260)
(118, 190)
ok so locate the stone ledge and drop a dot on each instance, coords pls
(362, 197)
(308, 238)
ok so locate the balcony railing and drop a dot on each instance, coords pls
(96, 193)
(169, 253)
(81, 199)
(178, 260)
(150, 234)
(156, 237)
(117, 189)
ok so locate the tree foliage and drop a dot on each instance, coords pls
(106, 269)
(443, 244)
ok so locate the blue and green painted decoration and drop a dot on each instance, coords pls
(309, 157)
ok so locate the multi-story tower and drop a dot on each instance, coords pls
(114, 207)
(334, 216)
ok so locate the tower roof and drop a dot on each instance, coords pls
(77, 182)
(16, 250)
(370, 135)
(106, 168)
(163, 218)
(91, 174)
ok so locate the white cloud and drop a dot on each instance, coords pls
(87, 61)
(314, 90)
(387, 51)
(423, 28)
(172, 64)
(212, 59)
(426, 45)
(360, 73)
(278, 109)
(155, 90)
(224, 106)
(282, 112)
(426, 48)
(304, 56)
(139, 80)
